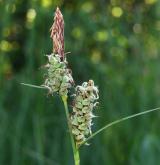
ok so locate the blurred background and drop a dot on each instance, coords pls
(116, 43)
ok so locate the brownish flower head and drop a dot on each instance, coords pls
(57, 34)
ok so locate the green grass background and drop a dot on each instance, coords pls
(116, 43)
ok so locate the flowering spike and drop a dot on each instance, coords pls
(84, 102)
(59, 78)
(57, 34)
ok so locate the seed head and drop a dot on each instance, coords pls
(59, 78)
(84, 103)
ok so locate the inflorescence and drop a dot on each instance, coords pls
(84, 102)
(59, 78)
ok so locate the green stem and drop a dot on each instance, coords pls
(118, 121)
(74, 148)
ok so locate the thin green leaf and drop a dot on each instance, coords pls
(33, 86)
(118, 121)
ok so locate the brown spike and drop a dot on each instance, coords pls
(57, 34)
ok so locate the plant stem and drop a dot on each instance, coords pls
(118, 121)
(74, 148)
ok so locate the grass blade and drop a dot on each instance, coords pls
(118, 121)
(33, 86)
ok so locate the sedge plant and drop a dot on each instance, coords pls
(85, 97)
